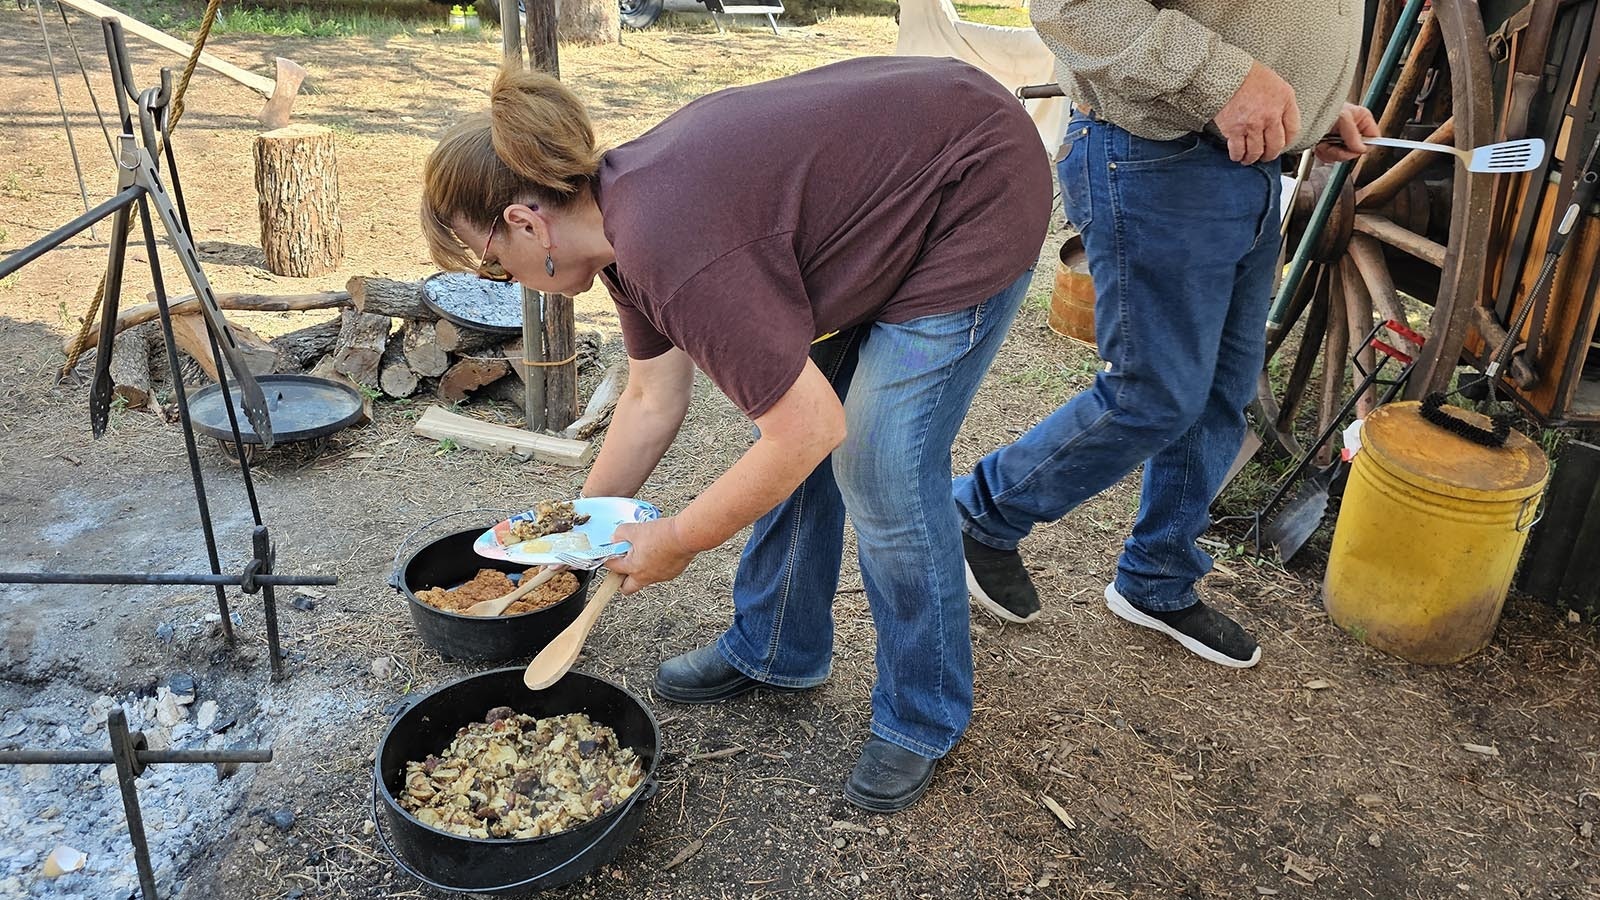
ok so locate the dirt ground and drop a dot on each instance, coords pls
(1330, 770)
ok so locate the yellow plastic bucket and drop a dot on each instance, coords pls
(1429, 534)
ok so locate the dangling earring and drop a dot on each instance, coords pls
(549, 266)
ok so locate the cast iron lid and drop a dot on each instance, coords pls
(301, 407)
(473, 302)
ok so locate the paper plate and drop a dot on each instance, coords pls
(591, 540)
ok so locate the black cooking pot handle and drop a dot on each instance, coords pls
(396, 577)
(645, 792)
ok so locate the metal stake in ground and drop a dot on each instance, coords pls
(129, 754)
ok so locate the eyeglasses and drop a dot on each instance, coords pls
(493, 271)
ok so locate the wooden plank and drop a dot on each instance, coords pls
(254, 82)
(438, 423)
(1569, 500)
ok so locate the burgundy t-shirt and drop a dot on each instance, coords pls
(758, 218)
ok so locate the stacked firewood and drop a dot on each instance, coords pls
(383, 339)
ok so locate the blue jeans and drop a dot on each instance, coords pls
(1182, 243)
(905, 388)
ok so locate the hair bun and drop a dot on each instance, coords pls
(542, 131)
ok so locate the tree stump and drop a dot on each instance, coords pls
(297, 191)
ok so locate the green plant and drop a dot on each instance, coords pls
(984, 14)
(446, 445)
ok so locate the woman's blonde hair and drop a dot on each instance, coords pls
(534, 145)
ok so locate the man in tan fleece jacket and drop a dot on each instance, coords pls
(1170, 171)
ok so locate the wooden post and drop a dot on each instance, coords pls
(297, 190)
(510, 33)
(533, 380)
(560, 383)
(543, 53)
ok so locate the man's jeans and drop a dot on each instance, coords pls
(905, 388)
(1181, 243)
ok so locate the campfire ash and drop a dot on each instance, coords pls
(64, 812)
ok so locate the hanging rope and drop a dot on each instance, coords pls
(75, 349)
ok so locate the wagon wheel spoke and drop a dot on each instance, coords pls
(1402, 100)
(1383, 188)
(1358, 314)
(1335, 350)
(1406, 225)
(1305, 357)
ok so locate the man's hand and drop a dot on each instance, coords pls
(658, 553)
(1261, 118)
(1354, 123)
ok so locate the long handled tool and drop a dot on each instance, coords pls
(1522, 155)
(1298, 519)
(499, 604)
(558, 656)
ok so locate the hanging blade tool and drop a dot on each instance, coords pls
(1582, 196)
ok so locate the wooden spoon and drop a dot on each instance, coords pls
(559, 655)
(499, 604)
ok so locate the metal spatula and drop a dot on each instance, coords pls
(1507, 156)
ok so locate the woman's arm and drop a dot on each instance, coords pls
(797, 434)
(648, 416)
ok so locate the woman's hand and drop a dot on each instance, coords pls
(658, 553)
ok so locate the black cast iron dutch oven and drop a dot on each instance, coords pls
(450, 862)
(449, 561)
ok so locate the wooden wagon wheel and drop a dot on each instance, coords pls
(1415, 223)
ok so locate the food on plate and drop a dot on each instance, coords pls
(549, 517)
(565, 542)
(514, 776)
(491, 583)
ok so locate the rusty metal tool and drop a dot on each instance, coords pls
(284, 89)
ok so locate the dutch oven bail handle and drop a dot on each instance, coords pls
(396, 577)
(1495, 437)
(645, 792)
